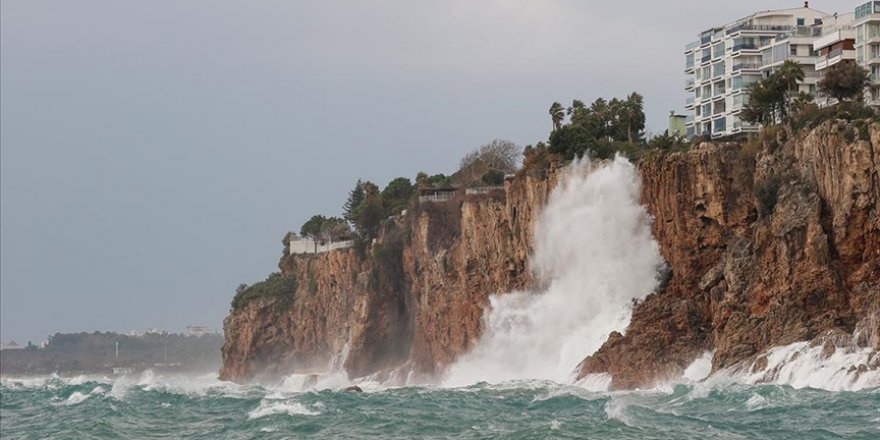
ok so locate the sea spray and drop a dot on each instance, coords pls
(594, 254)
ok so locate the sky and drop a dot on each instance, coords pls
(153, 154)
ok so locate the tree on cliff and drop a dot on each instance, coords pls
(312, 227)
(602, 129)
(771, 99)
(499, 155)
(557, 115)
(370, 213)
(397, 194)
(323, 229)
(355, 198)
(845, 81)
(632, 116)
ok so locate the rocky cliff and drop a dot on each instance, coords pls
(767, 244)
(764, 251)
(412, 303)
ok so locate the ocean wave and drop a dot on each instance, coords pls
(273, 407)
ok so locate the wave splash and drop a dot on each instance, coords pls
(595, 254)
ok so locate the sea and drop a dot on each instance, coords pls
(149, 406)
(595, 255)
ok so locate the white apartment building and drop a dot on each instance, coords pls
(727, 59)
(867, 45)
(836, 45)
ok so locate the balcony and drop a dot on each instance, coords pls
(746, 66)
(691, 46)
(758, 28)
(834, 57)
(689, 84)
(689, 102)
(742, 47)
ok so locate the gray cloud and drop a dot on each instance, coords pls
(152, 154)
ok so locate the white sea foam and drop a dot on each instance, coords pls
(76, 397)
(616, 409)
(595, 253)
(274, 407)
(801, 365)
(757, 401)
(699, 369)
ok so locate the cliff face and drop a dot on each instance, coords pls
(763, 252)
(414, 303)
(764, 248)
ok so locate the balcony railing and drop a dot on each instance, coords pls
(689, 83)
(749, 46)
(692, 45)
(689, 101)
(746, 66)
(757, 27)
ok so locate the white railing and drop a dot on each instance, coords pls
(437, 197)
(483, 190)
(309, 246)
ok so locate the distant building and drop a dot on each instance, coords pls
(677, 125)
(198, 330)
(12, 345)
(155, 331)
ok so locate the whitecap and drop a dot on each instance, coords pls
(757, 401)
(291, 408)
(76, 397)
(615, 409)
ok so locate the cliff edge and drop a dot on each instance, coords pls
(767, 244)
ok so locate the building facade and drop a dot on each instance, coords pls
(722, 64)
(836, 45)
(866, 27)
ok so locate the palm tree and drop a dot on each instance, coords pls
(601, 112)
(790, 72)
(576, 105)
(633, 115)
(557, 115)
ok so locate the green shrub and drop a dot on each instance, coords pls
(493, 177)
(275, 286)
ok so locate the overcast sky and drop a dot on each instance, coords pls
(154, 153)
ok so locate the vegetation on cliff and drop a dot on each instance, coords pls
(275, 286)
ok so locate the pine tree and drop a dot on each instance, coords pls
(355, 199)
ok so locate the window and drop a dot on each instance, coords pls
(800, 21)
(793, 50)
(817, 21)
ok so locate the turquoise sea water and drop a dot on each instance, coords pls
(200, 408)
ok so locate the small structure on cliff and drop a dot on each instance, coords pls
(310, 246)
(444, 194)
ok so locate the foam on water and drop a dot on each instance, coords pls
(803, 365)
(699, 369)
(274, 407)
(595, 254)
